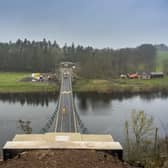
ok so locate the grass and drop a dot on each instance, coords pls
(11, 83)
(161, 57)
(88, 85)
(121, 85)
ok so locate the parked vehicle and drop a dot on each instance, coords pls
(123, 76)
(133, 76)
(66, 73)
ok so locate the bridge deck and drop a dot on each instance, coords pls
(66, 120)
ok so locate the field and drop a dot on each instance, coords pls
(121, 85)
(11, 82)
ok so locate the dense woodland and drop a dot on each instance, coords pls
(44, 56)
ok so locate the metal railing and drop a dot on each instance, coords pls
(50, 119)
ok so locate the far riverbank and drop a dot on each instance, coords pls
(13, 83)
(110, 86)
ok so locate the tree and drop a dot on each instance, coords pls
(142, 126)
(140, 145)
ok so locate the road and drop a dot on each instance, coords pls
(66, 120)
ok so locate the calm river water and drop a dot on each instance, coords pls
(100, 113)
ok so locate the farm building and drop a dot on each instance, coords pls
(156, 74)
(145, 75)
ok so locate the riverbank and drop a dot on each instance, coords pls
(15, 83)
(121, 85)
(11, 82)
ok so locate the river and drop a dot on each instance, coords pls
(100, 113)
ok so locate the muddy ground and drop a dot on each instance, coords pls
(64, 159)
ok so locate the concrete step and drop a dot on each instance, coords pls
(52, 137)
(58, 141)
(96, 138)
(29, 137)
(63, 145)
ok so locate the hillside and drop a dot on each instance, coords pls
(162, 57)
(162, 60)
(161, 47)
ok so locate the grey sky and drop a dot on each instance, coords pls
(98, 23)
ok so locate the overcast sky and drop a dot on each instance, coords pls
(97, 23)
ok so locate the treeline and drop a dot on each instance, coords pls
(29, 56)
(109, 62)
(43, 56)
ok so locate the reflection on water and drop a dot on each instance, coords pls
(151, 96)
(29, 98)
(97, 100)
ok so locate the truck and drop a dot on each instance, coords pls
(66, 73)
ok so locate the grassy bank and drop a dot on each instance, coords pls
(121, 85)
(13, 83)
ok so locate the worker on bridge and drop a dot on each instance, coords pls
(63, 109)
